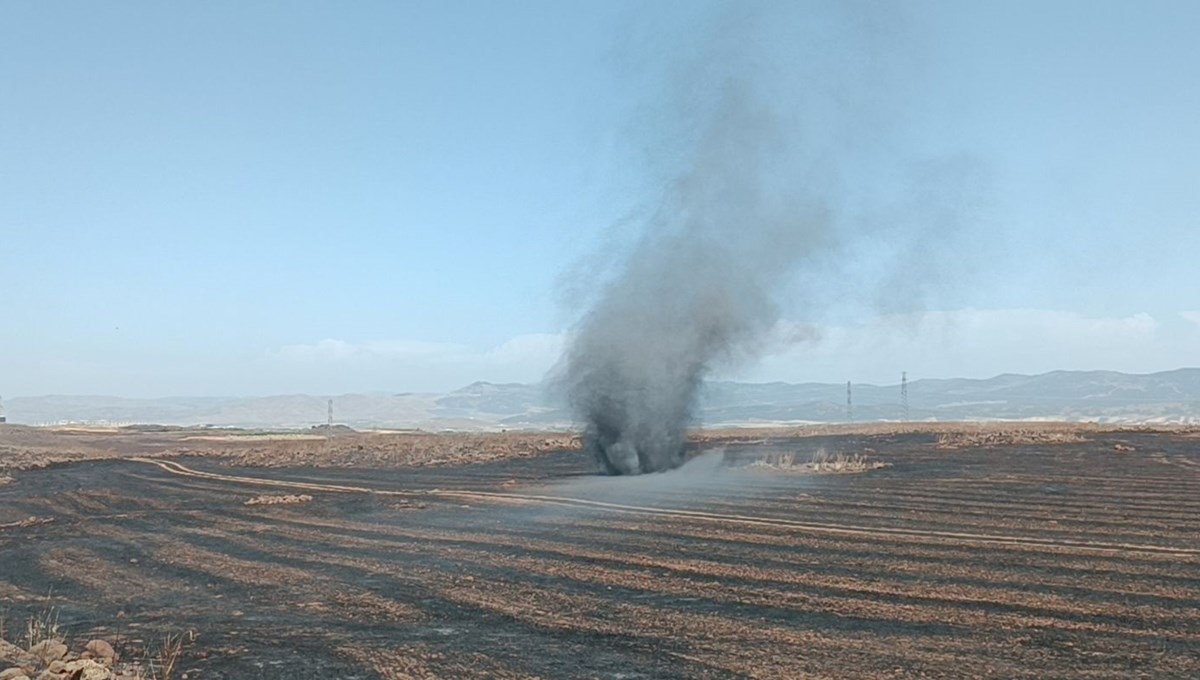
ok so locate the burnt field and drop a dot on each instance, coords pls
(1070, 553)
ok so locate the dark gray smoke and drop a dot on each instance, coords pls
(696, 289)
(754, 196)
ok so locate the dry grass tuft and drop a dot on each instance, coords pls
(43, 627)
(163, 661)
(820, 463)
(841, 462)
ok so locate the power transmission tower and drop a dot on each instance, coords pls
(904, 393)
(849, 405)
(329, 424)
(2, 418)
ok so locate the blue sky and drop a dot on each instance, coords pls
(255, 198)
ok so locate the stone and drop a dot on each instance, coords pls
(13, 674)
(88, 669)
(12, 653)
(49, 650)
(102, 650)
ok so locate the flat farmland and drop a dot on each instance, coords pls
(972, 552)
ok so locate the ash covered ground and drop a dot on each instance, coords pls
(981, 551)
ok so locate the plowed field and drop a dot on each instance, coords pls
(1078, 558)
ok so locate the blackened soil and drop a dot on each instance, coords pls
(1063, 560)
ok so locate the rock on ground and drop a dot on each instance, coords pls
(101, 650)
(49, 650)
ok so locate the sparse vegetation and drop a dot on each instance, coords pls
(285, 499)
(163, 660)
(820, 462)
(404, 450)
(42, 627)
(1007, 437)
(842, 462)
(43, 650)
(776, 461)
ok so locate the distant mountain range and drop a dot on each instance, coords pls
(1105, 396)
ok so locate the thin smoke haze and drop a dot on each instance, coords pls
(759, 193)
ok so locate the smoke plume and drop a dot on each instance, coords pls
(756, 191)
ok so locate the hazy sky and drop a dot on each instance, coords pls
(254, 198)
